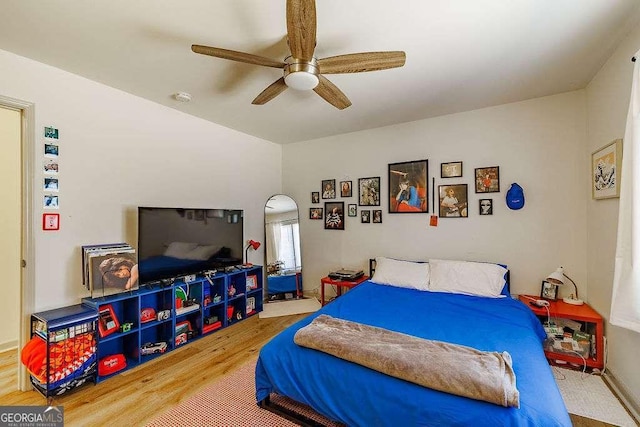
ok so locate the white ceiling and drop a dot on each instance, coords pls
(461, 55)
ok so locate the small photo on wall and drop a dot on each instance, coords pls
(377, 216)
(345, 188)
(315, 213)
(486, 206)
(50, 166)
(329, 189)
(334, 215)
(51, 201)
(51, 150)
(51, 184)
(51, 133)
(365, 216)
(315, 197)
(352, 210)
(488, 180)
(453, 201)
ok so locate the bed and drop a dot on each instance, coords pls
(358, 396)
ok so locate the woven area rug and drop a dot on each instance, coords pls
(230, 401)
(289, 307)
(588, 396)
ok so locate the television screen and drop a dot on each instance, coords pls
(178, 241)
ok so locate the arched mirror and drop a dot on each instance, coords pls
(282, 249)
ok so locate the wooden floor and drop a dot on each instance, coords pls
(139, 395)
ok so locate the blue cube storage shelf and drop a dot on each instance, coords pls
(158, 318)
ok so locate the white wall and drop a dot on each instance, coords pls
(538, 144)
(10, 177)
(608, 97)
(117, 152)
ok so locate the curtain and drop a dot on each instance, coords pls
(273, 230)
(625, 301)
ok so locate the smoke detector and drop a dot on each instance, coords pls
(182, 96)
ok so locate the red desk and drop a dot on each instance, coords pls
(339, 285)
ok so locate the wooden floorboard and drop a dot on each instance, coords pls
(135, 397)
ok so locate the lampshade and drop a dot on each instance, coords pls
(253, 245)
(557, 278)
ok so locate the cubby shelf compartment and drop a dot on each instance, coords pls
(214, 304)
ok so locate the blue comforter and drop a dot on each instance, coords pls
(358, 396)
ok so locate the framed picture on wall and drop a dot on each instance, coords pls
(365, 216)
(329, 189)
(451, 170)
(315, 197)
(453, 201)
(606, 164)
(486, 206)
(334, 216)
(377, 216)
(369, 191)
(345, 188)
(315, 213)
(352, 210)
(408, 187)
(488, 180)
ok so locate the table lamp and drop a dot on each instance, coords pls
(557, 278)
(252, 244)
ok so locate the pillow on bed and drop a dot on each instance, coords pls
(202, 252)
(466, 277)
(179, 249)
(403, 274)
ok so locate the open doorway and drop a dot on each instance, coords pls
(18, 185)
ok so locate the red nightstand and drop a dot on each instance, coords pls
(592, 323)
(339, 284)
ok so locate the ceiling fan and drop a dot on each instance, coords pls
(302, 70)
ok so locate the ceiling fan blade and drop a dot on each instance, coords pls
(330, 93)
(237, 56)
(361, 62)
(273, 90)
(301, 28)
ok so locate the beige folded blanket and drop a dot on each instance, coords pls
(451, 368)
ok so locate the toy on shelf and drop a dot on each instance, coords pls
(107, 321)
(148, 315)
(111, 364)
(153, 348)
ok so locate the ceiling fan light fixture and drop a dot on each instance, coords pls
(300, 74)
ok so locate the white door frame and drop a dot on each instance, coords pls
(27, 247)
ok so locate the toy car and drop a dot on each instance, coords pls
(153, 347)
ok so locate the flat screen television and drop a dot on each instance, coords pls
(180, 241)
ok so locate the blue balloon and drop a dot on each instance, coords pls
(515, 197)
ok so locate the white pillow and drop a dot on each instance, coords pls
(465, 277)
(179, 249)
(202, 252)
(403, 274)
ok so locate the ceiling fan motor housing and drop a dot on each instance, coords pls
(300, 74)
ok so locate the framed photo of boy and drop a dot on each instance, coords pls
(488, 179)
(453, 201)
(369, 191)
(451, 170)
(334, 216)
(606, 163)
(408, 187)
